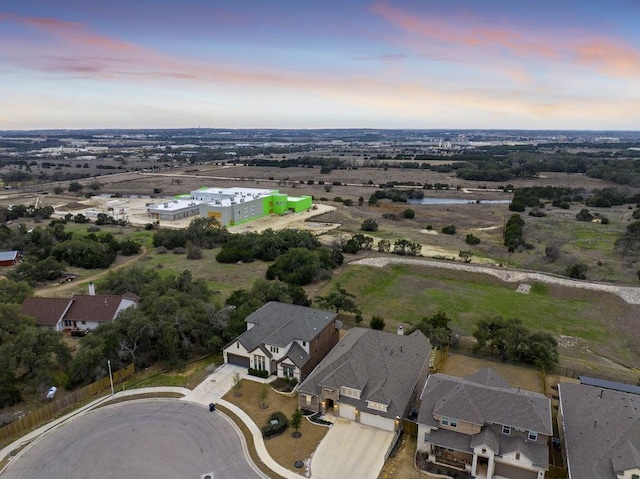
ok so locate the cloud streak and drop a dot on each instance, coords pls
(464, 37)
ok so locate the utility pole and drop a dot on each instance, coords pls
(113, 397)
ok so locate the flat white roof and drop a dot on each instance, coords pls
(173, 205)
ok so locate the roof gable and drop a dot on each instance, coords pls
(475, 403)
(100, 307)
(46, 311)
(278, 324)
(384, 366)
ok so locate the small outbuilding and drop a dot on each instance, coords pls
(9, 258)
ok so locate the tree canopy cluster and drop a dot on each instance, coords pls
(47, 251)
(30, 357)
(512, 341)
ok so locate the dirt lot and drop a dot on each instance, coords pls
(517, 376)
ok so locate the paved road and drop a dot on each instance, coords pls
(161, 439)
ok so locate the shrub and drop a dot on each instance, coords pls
(472, 240)
(261, 373)
(408, 213)
(377, 323)
(577, 271)
(584, 215)
(269, 429)
(193, 251)
(449, 230)
(161, 250)
(179, 250)
(369, 225)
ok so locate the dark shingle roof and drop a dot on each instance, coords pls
(46, 311)
(537, 452)
(278, 324)
(297, 355)
(601, 430)
(99, 307)
(601, 383)
(476, 403)
(384, 366)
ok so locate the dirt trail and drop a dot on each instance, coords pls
(58, 290)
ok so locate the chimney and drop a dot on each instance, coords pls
(92, 290)
(400, 330)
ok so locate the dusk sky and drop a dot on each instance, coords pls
(545, 64)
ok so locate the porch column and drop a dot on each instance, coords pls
(474, 463)
(491, 466)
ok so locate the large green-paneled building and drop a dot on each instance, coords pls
(230, 206)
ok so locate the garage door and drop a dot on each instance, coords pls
(347, 412)
(512, 472)
(237, 360)
(377, 421)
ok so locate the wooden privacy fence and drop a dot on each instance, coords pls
(45, 413)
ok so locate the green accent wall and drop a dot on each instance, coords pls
(280, 203)
(299, 204)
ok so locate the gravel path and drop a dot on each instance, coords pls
(628, 293)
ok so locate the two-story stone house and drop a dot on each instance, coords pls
(286, 340)
(483, 426)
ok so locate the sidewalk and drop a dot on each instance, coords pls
(217, 385)
(28, 438)
(209, 391)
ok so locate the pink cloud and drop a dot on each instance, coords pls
(462, 39)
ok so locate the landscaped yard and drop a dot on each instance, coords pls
(284, 449)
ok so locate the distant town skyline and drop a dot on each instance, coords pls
(426, 64)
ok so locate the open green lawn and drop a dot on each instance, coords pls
(405, 294)
(221, 278)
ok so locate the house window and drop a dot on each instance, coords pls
(533, 436)
(635, 476)
(238, 345)
(350, 392)
(426, 436)
(376, 405)
(506, 430)
(274, 349)
(446, 421)
(307, 400)
(517, 455)
(258, 362)
(304, 343)
(84, 322)
(288, 371)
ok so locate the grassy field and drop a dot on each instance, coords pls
(600, 323)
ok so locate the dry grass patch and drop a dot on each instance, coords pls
(284, 449)
(517, 376)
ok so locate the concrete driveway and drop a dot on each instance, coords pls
(216, 385)
(350, 450)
